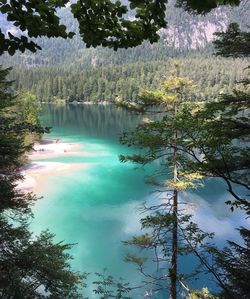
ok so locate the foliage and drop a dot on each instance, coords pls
(234, 263)
(218, 131)
(35, 268)
(187, 42)
(37, 18)
(104, 23)
(108, 287)
(169, 232)
(29, 108)
(205, 5)
(31, 267)
(203, 294)
(208, 139)
(233, 42)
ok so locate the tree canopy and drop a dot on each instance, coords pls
(106, 23)
(233, 42)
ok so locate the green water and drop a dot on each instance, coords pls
(96, 205)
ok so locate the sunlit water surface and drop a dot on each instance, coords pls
(96, 205)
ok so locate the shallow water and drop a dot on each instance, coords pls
(96, 205)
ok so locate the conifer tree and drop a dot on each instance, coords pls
(233, 42)
(31, 267)
(208, 139)
(169, 225)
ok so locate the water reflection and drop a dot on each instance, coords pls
(105, 121)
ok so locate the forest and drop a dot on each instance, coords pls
(153, 186)
(76, 83)
(103, 74)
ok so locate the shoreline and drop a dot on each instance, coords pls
(64, 102)
(51, 148)
(35, 173)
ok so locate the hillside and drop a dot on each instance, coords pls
(185, 33)
(66, 70)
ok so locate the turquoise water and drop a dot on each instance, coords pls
(96, 204)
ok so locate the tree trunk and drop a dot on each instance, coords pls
(175, 226)
(174, 247)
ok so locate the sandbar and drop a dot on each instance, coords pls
(36, 174)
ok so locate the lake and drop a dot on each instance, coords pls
(96, 204)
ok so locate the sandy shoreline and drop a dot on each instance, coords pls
(36, 172)
(50, 148)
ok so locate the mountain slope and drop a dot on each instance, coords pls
(185, 33)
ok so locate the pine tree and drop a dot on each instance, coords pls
(208, 139)
(169, 227)
(31, 267)
(233, 262)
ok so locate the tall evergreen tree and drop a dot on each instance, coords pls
(170, 232)
(30, 267)
(209, 139)
(233, 263)
(233, 42)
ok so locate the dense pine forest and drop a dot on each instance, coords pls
(76, 83)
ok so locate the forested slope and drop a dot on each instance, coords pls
(73, 82)
(66, 70)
